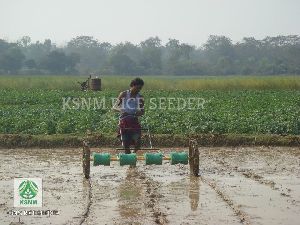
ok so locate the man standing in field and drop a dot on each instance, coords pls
(130, 105)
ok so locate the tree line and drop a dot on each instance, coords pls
(218, 56)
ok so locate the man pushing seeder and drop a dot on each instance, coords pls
(130, 105)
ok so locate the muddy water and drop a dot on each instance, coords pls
(251, 185)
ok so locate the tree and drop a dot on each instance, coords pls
(72, 60)
(218, 56)
(30, 64)
(24, 41)
(57, 62)
(11, 60)
(93, 54)
(150, 59)
(178, 58)
(37, 51)
(124, 58)
(83, 42)
(122, 64)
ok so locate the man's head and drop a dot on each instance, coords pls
(136, 84)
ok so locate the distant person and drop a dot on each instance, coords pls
(130, 104)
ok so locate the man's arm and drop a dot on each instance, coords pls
(119, 101)
(141, 110)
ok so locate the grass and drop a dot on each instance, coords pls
(68, 83)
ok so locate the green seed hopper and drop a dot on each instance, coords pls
(131, 159)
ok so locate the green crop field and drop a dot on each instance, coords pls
(270, 110)
(70, 83)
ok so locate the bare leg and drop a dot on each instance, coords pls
(137, 142)
(125, 143)
(127, 149)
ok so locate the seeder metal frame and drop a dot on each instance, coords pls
(141, 129)
(193, 158)
(151, 148)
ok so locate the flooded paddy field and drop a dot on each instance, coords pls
(240, 185)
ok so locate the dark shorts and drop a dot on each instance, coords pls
(129, 131)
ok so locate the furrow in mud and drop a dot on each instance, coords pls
(89, 198)
(183, 201)
(152, 202)
(230, 170)
(243, 217)
(251, 174)
(125, 195)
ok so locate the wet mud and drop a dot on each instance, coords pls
(240, 185)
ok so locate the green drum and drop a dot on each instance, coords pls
(153, 158)
(179, 157)
(101, 159)
(127, 159)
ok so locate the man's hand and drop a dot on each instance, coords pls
(139, 113)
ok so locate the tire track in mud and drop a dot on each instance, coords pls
(153, 198)
(243, 217)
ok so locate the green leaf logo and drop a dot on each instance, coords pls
(28, 189)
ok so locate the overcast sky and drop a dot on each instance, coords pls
(190, 21)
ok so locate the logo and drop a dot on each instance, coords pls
(28, 192)
(28, 189)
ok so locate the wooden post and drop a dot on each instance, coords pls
(194, 157)
(86, 163)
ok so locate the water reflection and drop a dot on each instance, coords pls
(194, 192)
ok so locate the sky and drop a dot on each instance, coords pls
(115, 21)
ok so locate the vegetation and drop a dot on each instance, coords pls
(70, 83)
(239, 111)
(218, 56)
